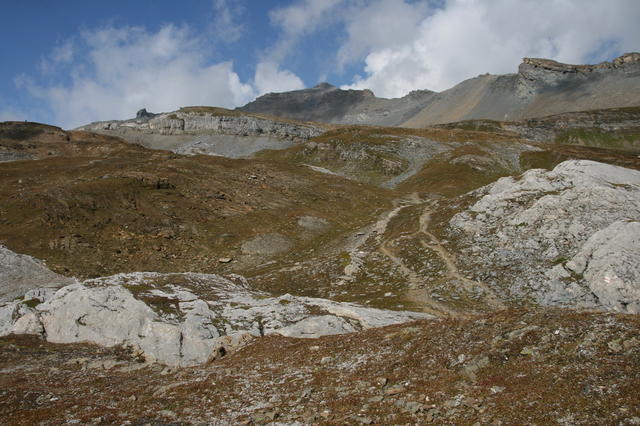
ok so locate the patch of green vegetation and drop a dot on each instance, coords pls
(594, 136)
(541, 159)
(138, 288)
(21, 131)
(345, 258)
(448, 179)
(210, 110)
(476, 126)
(551, 156)
(262, 296)
(162, 305)
(32, 303)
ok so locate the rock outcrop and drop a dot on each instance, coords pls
(143, 114)
(205, 130)
(180, 319)
(566, 237)
(20, 273)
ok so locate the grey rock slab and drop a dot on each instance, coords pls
(182, 319)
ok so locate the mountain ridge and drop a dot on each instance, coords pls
(540, 87)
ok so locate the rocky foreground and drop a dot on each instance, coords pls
(512, 367)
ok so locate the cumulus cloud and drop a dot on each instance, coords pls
(128, 68)
(381, 25)
(435, 48)
(269, 78)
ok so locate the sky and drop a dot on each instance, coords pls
(72, 62)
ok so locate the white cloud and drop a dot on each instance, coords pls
(129, 68)
(437, 48)
(300, 19)
(303, 17)
(380, 25)
(225, 23)
(269, 78)
(61, 54)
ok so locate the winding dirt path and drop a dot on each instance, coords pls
(430, 241)
(449, 260)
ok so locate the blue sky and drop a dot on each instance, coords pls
(71, 62)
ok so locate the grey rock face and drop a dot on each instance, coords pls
(201, 132)
(567, 237)
(181, 319)
(144, 115)
(609, 122)
(14, 156)
(20, 273)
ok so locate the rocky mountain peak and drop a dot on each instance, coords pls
(551, 65)
(143, 114)
(324, 86)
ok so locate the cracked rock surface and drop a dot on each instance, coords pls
(180, 319)
(568, 237)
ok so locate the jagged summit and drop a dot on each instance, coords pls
(551, 65)
(143, 114)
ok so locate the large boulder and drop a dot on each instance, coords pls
(568, 237)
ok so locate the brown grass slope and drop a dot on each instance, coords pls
(96, 212)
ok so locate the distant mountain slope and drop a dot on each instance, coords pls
(327, 103)
(541, 87)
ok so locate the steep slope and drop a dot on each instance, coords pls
(34, 141)
(617, 128)
(541, 87)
